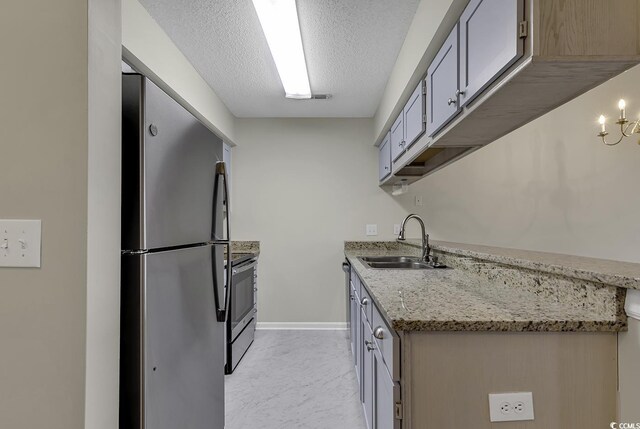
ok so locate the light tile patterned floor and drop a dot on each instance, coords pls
(295, 380)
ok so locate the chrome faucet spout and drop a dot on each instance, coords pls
(426, 250)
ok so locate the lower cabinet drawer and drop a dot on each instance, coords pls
(387, 342)
(367, 304)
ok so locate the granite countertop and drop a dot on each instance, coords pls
(614, 273)
(481, 295)
(242, 249)
(245, 247)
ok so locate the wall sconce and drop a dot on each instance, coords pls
(625, 125)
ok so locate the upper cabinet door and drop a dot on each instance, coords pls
(442, 85)
(385, 157)
(414, 115)
(397, 137)
(489, 43)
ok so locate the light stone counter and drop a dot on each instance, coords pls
(485, 294)
(245, 247)
(614, 273)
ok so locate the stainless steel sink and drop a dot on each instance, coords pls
(398, 263)
(390, 259)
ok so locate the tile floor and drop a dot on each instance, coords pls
(295, 380)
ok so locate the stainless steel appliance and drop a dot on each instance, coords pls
(174, 237)
(241, 324)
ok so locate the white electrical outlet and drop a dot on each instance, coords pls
(20, 243)
(418, 201)
(372, 229)
(396, 229)
(510, 407)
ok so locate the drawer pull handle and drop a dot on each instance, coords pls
(451, 101)
(379, 333)
(369, 345)
(458, 92)
(364, 301)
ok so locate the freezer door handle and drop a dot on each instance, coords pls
(221, 176)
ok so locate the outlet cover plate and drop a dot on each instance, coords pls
(372, 229)
(510, 407)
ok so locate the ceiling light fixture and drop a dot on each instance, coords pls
(279, 20)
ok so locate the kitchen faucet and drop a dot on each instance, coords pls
(426, 250)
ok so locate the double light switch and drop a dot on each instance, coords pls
(20, 243)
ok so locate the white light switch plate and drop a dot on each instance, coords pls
(418, 201)
(396, 229)
(20, 243)
(510, 407)
(372, 229)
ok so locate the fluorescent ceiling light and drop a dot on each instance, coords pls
(279, 20)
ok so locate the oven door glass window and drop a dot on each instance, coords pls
(242, 298)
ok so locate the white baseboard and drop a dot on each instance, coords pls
(325, 326)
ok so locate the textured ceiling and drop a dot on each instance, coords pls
(350, 47)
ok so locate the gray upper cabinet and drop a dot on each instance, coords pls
(385, 157)
(397, 137)
(442, 85)
(489, 43)
(414, 115)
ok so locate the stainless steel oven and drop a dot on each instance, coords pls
(241, 323)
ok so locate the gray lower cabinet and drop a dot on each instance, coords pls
(442, 85)
(414, 116)
(356, 337)
(385, 157)
(490, 41)
(367, 373)
(386, 395)
(353, 322)
(376, 358)
(397, 137)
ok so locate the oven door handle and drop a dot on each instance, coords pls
(244, 267)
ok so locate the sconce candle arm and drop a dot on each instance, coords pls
(604, 135)
(624, 129)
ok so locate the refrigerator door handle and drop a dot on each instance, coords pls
(221, 174)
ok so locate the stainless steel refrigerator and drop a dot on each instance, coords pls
(174, 236)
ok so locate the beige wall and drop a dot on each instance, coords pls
(302, 187)
(150, 50)
(552, 186)
(549, 186)
(52, 138)
(44, 176)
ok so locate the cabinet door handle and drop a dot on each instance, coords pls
(386, 168)
(369, 345)
(451, 101)
(364, 301)
(379, 333)
(458, 92)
